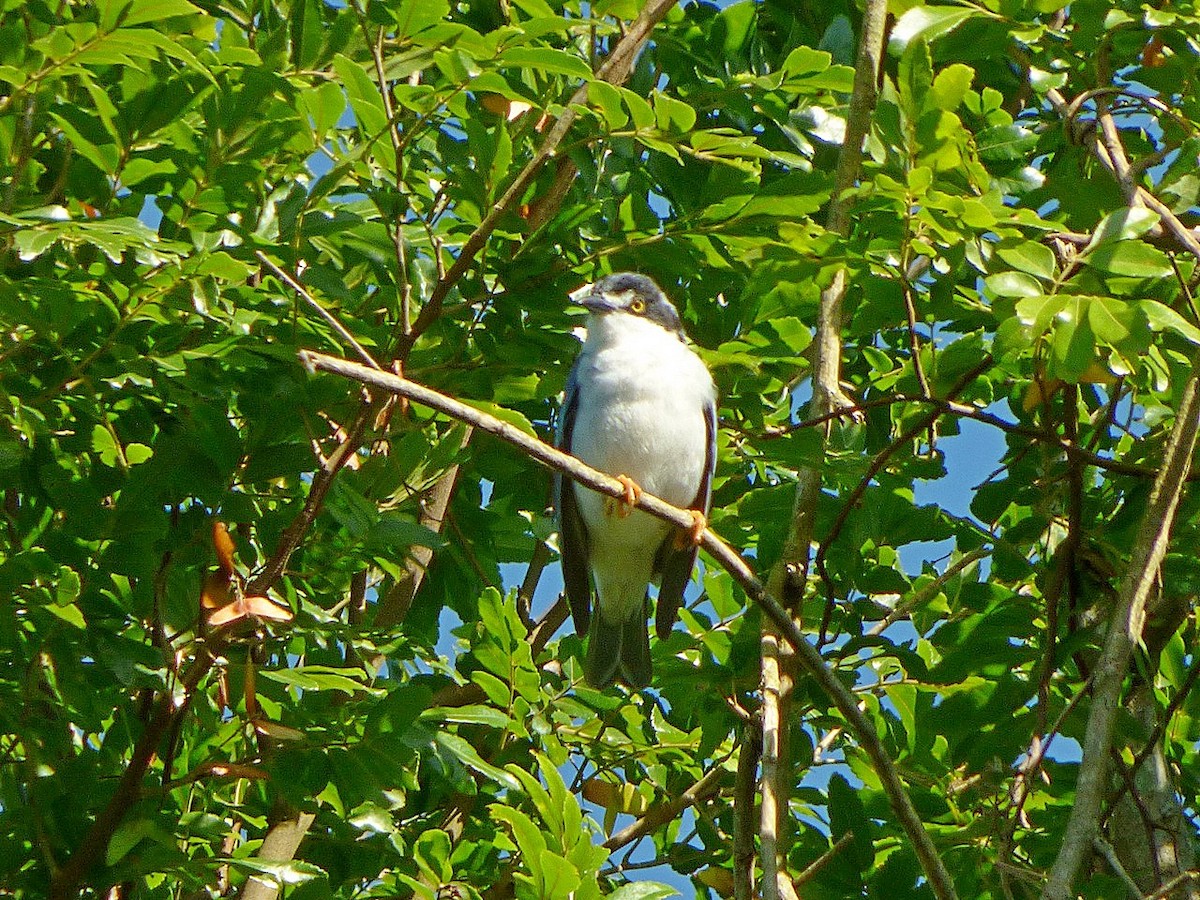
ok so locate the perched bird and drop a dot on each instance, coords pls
(641, 406)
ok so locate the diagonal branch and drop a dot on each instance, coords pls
(660, 815)
(807, 656)
(615, 70)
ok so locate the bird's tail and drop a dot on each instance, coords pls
(618, 649)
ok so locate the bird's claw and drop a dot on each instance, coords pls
(623, 507)
(690, 537)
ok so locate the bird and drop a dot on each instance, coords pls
(639, 404)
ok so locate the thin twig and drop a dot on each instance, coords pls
(813, 869)
(1106, 850)
(1189, 877)
(789, 575)
(533, 574)
(66, 882)
(324, 313)
(615, 71)
(659, 815)
(877, 464)
(926, 592)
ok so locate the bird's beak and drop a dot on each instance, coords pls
(592, 300)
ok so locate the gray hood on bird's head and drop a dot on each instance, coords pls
(633, 294)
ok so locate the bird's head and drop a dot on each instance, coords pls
(631, 294)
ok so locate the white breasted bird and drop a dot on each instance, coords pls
(639, 405)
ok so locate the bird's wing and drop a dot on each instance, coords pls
(572, 533)
(674, 562)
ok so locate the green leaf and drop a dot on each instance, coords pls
(1163, 318)
(527, 835)
(467, 715)
(1117, 323)
(1033, 259)
(1126, 224)
(322, 678)
(281, 873)
(71, 614)
(1131, 258)
(105, 444)
(950, 86)
(504, 414)
(607, 99)
(673, 115)
(137, 453)
(546, 60)
(363, 94)
(66, 586)
(1073, 348)
(1013, 284)
(804, 61)
(431, 851)
(469, 757)
(643, 890)
(414, 16)
(139, 12)
(559, 879)
(1005, 142)
(928, 23)
(915, 78)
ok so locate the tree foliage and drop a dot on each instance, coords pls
(195, 190)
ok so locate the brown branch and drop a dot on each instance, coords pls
(1190, 877)
(967, 411)
(280, 845)
(927, 592)
(663, 813)
(67, 881)
(312, 301)
(1186, 238)
(914, 341)
(398, 600)
(744, 811)
(1150, 546)
(322, 481)
(533, 574)
(877, 464)
(807, 656)
(389, 110)
(615, 71)
(813, 869)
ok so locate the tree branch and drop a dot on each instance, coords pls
(749, 754)
(615, 70)
(66, 882)
(280, 845)
(661, 814)
(808, 657)
(789, 575)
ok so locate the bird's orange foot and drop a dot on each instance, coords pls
(690, 537)
(624, 506)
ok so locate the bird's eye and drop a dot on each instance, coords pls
(637, 306)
